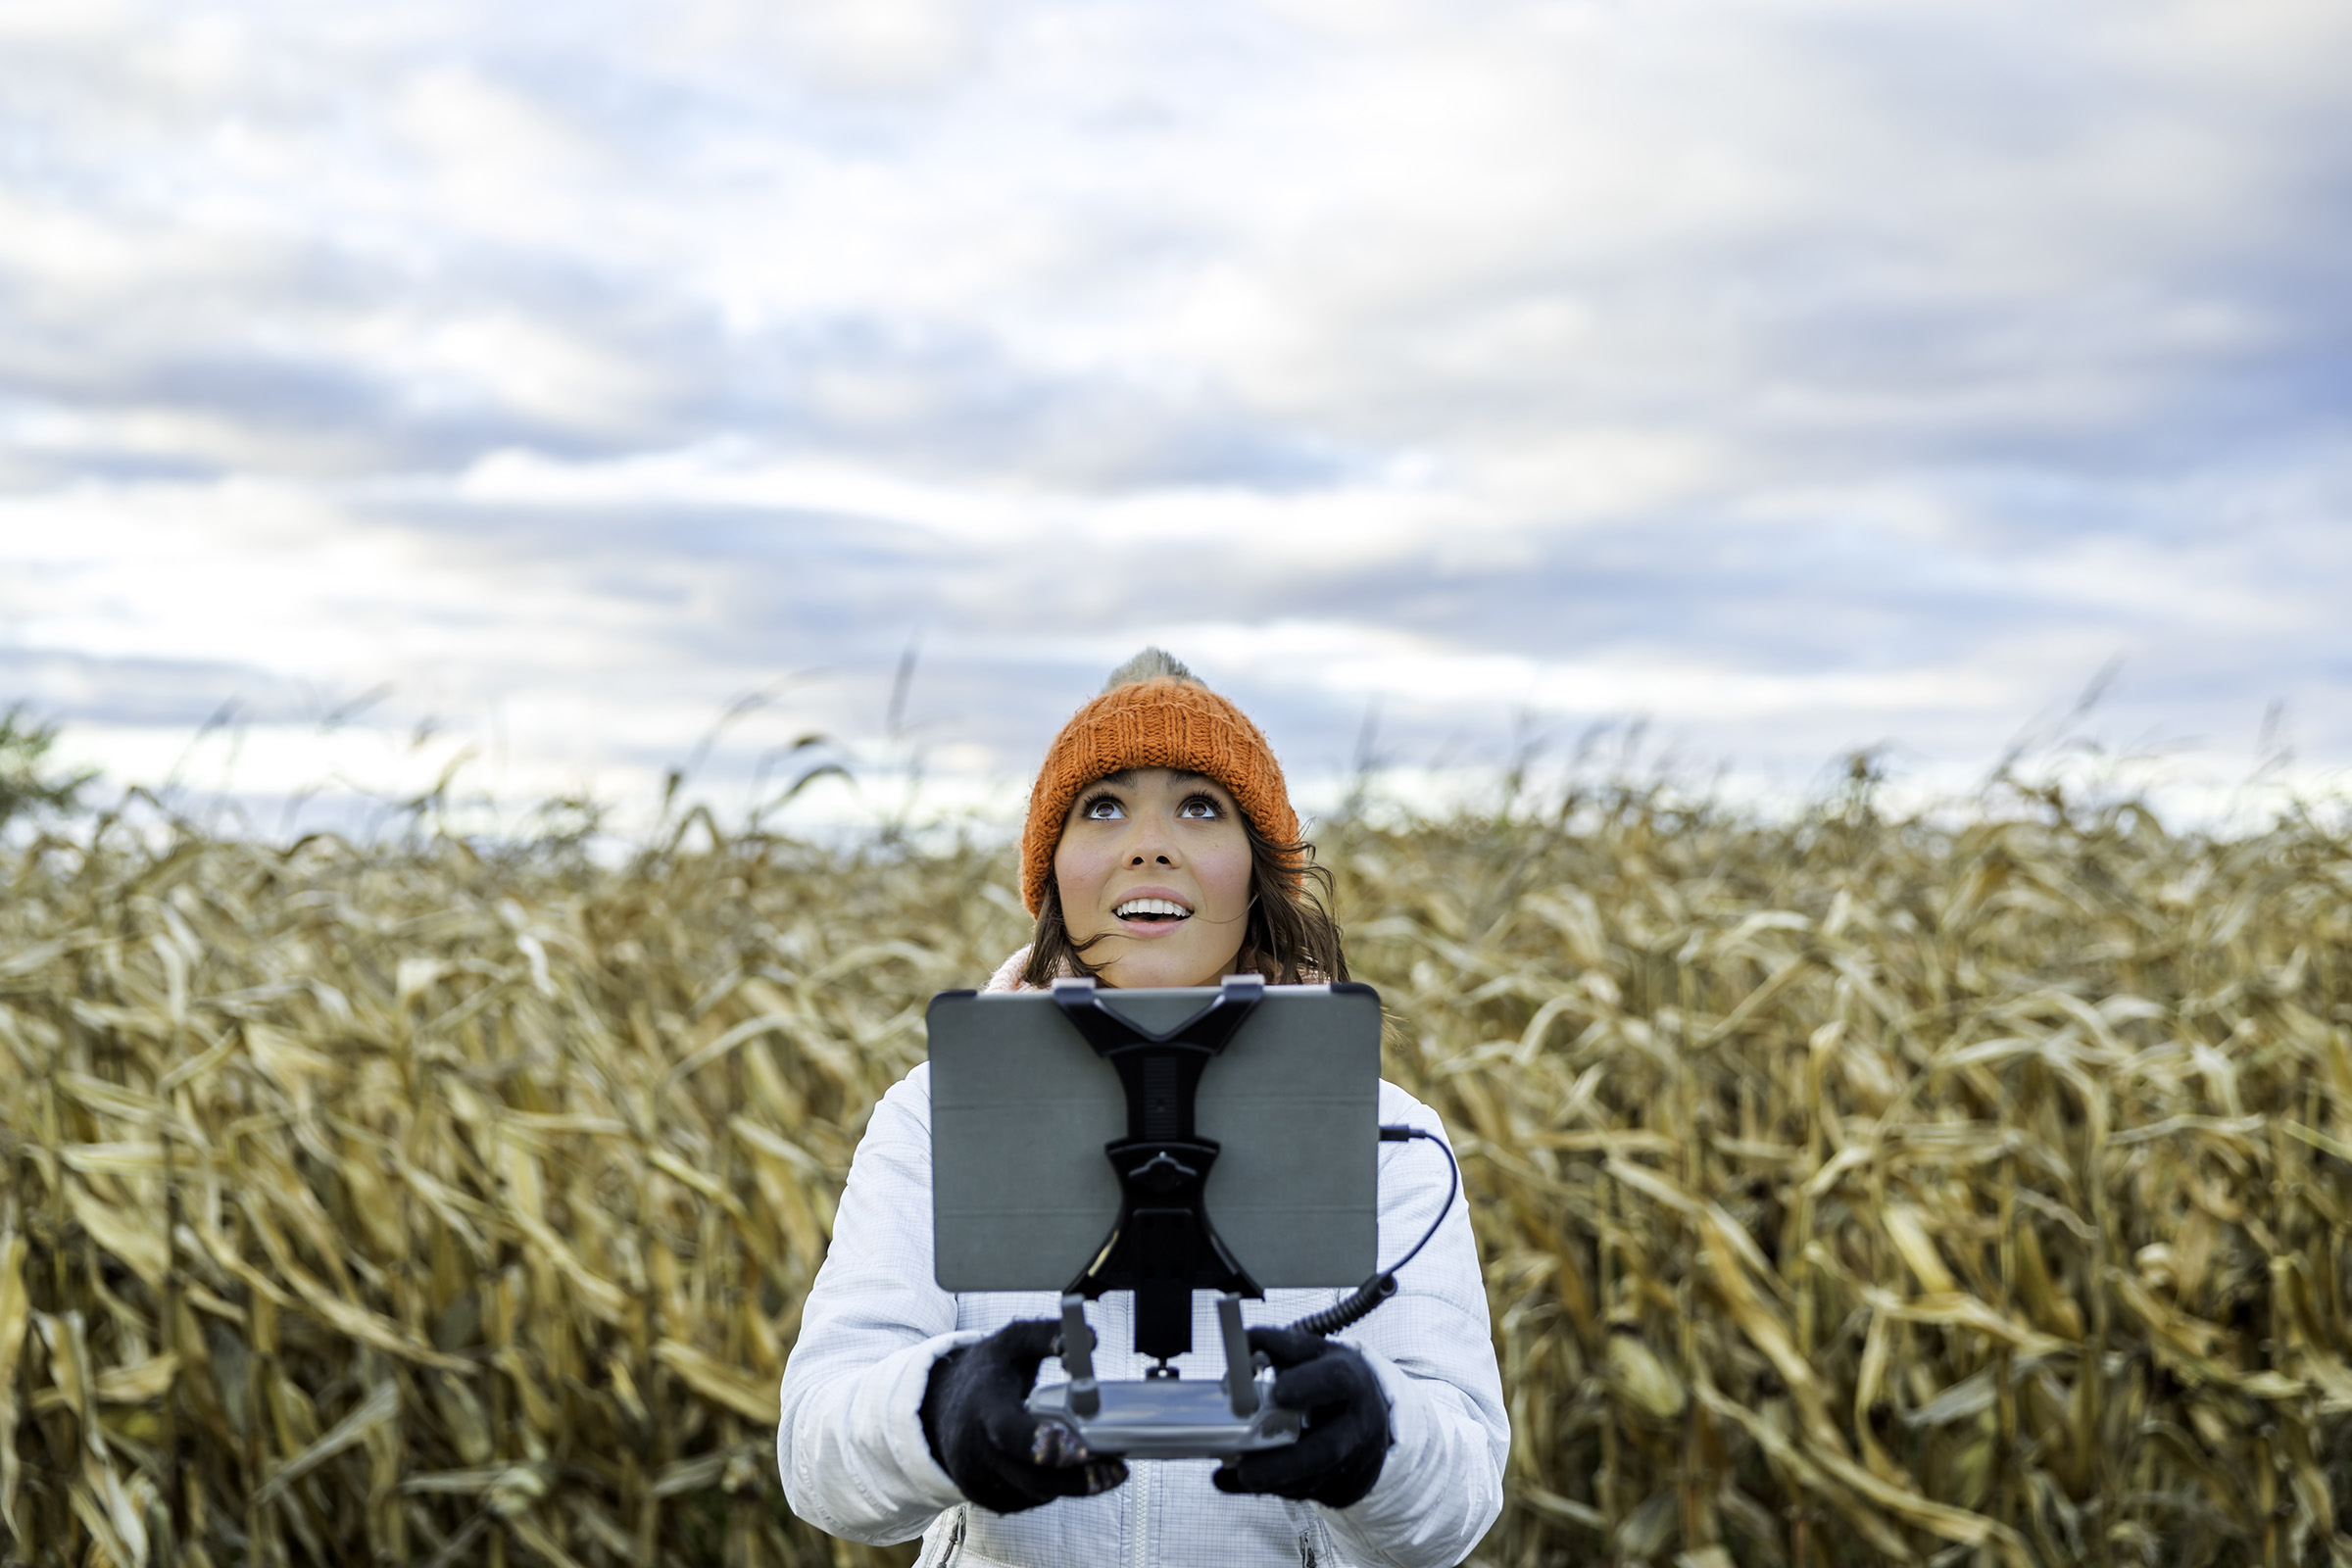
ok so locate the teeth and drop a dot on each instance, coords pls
(1135, 906)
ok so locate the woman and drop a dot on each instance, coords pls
(1160, 849)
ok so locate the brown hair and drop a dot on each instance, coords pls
(1291, 938)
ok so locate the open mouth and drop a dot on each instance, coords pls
(1153, 912)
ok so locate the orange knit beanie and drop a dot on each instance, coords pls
(1163, 721)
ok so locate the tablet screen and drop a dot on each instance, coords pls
(1023, 1198)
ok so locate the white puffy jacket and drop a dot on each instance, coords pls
(851, 1444)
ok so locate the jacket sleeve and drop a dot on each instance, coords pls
(1441, 1486)
(849, 1445)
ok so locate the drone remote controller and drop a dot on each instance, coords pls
(1162, 1417)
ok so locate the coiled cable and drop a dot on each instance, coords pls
(1383, 1284)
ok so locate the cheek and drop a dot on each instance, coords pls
(1078, 875)
(1225, 876)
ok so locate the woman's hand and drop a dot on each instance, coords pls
(983, 1436)
(1338, 1455)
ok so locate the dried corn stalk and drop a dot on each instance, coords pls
(1851, 1191)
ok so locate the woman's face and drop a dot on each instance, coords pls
(1155, 862)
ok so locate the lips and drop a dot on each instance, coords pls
(1151, 911)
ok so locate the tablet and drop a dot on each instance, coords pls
(1023, 1196)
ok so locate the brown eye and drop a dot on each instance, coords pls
(1104, 809)
(1199, 805)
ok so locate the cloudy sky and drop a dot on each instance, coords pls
(385, 386)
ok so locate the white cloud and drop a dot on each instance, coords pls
(1798, 373)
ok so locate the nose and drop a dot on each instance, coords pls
(1150, 846)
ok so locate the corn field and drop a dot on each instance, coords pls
(1849, 1191)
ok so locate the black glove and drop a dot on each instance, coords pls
(1000, 1455)
(1338, 1455)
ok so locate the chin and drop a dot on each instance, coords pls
(1145, 970)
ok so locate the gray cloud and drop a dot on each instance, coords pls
(1590, 351)
(71, 687)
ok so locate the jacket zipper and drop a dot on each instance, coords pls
(953, 1547)
(1143, 1478)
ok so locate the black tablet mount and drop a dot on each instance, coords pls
(1163, 1248)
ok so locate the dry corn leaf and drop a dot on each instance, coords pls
(714, 1380)
(16, 1317)
(380, 1405)
(1908, 1231)
(150, 1379)
(135, 1239)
